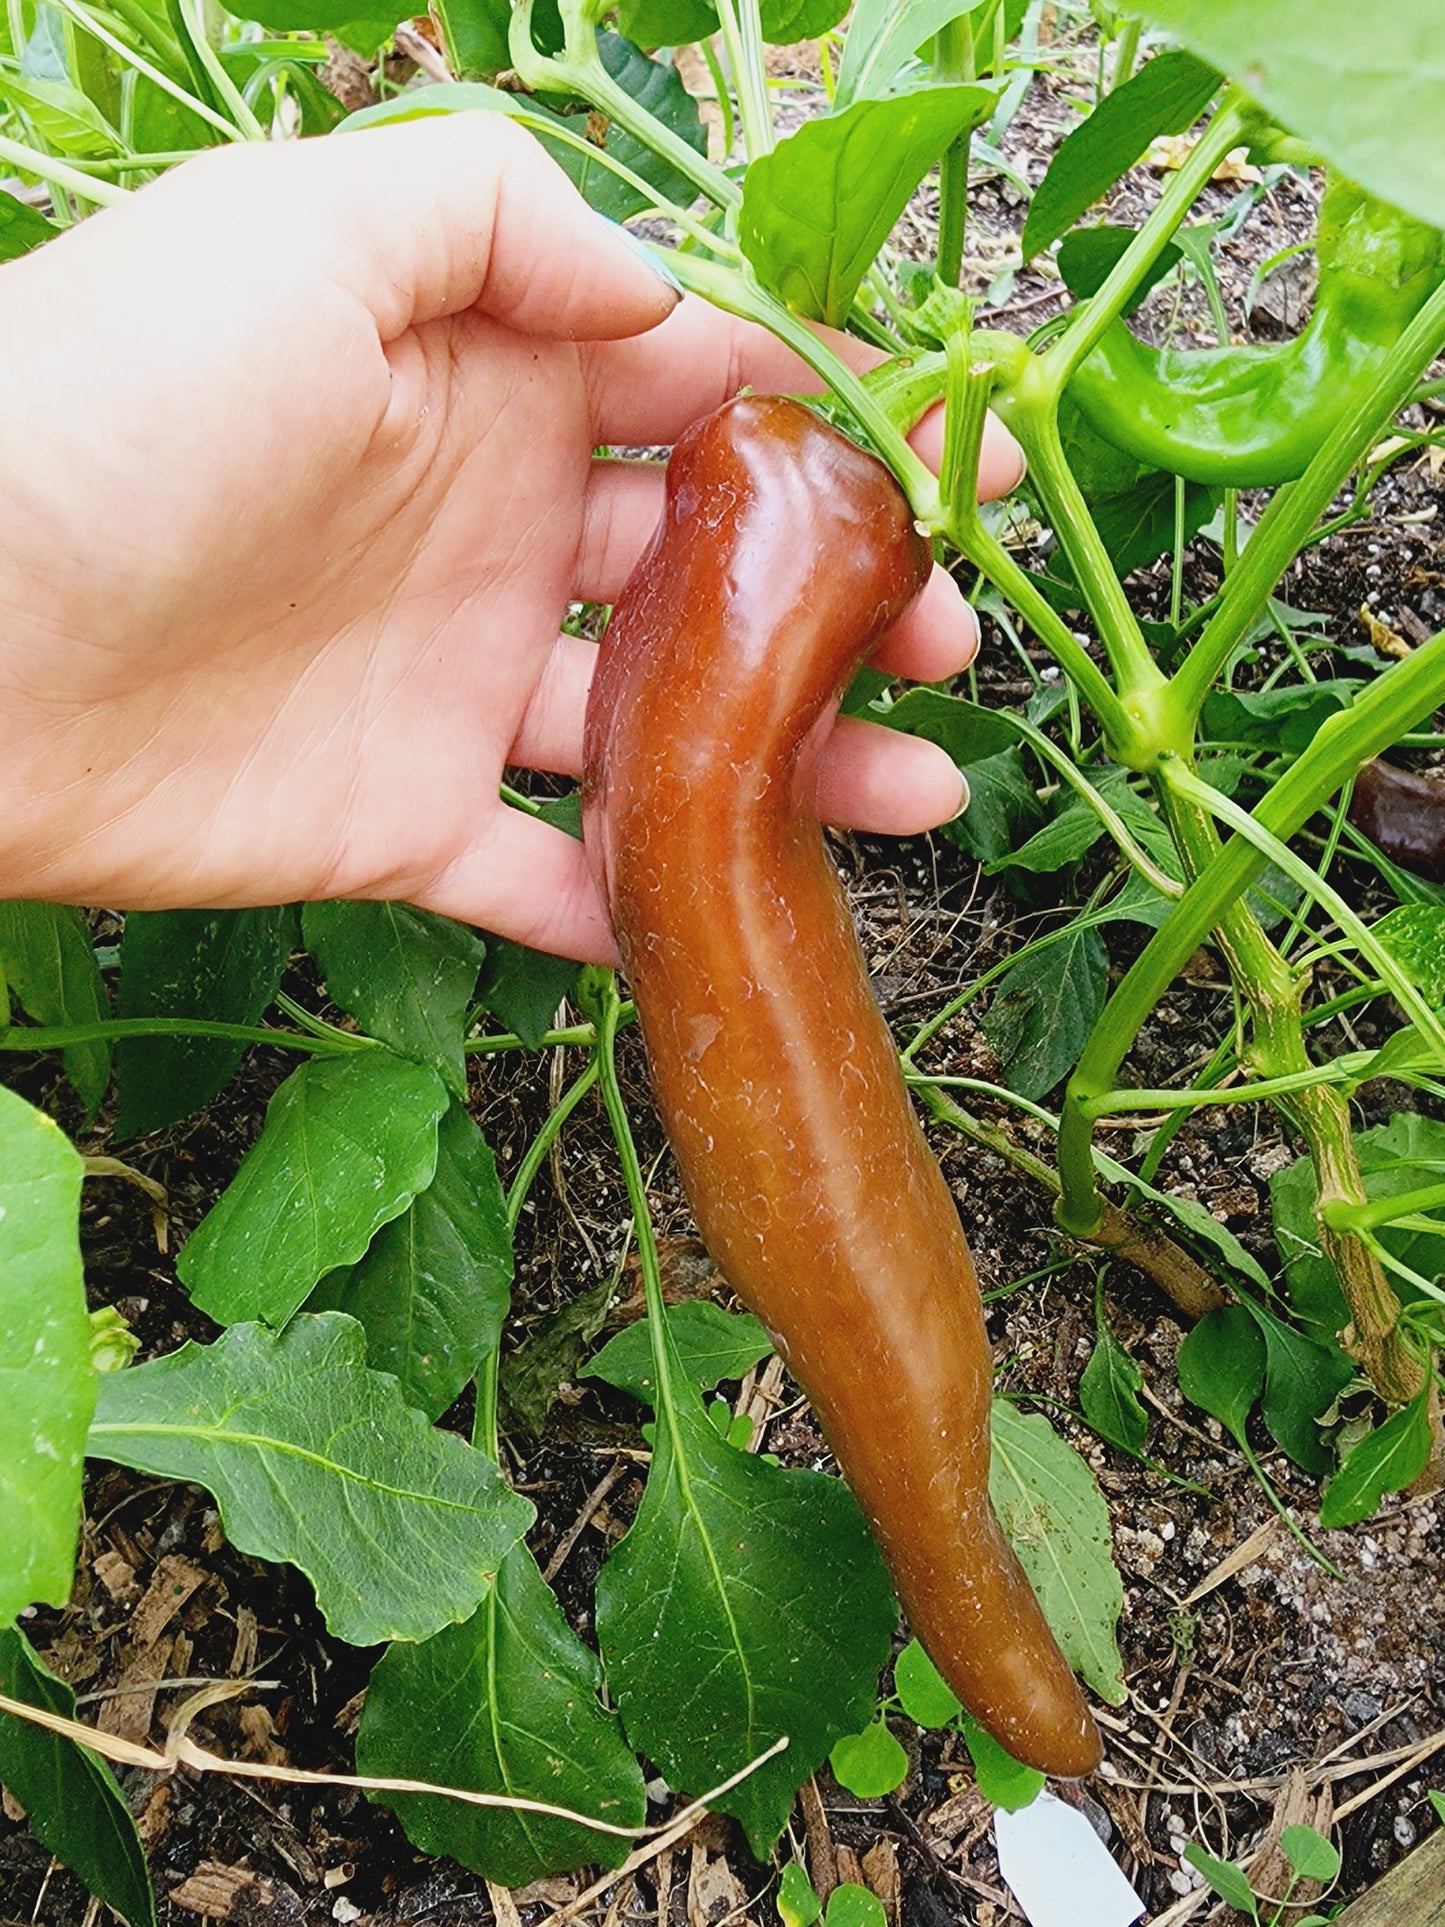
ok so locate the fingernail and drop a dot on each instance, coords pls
(977, 632)
(966, 800)
(646, 252)
(1018, 480)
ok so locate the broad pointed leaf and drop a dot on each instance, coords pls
(319, 1462)
(1056, 1518)
(1222, 1365)
(22, 228)
(46, 953)
(711, 1344)
(883, 36)
(818, 208)
(506, 1703)
(1385, 1460)
(1044, 1009)
(70, 1797)
(47, 1386)
(433, 1289)
(745, 1603)
(222, 965)
(347, 1144)
(405, 975)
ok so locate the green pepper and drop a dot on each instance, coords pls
(1254, 416)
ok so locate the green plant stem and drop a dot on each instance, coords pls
(58, 1036)
(1090, 319)
(138, 61)
(581, 71)
(309, 1021)
(747, 50)
(605, 1014)
(1285, 526)
(27, 160)
(1123, 1102)
(723, 93)
(953, 60)
(484, 1422)
(969, 388)
(583, 1036)
(1379, 1211)
(192, 17)
(1126, 51)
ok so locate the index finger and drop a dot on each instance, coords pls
(649, 388)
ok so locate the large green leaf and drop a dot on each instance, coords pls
(818, 208)
(1385, 1460)
(70, 1797)
(222, 965)
(46, 952)
(405, 975)
(1058, 1523)
(61, 114)
(1044, 1009)
(1362, 84)
(1302, 1381)
(1166, 96)
(47, 1387)
(347, 1144)
(317, 1461)
(506, 1703)
(745, 1603)
(433, 1289)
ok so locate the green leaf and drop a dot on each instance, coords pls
(1043, 1010)
(1002, 1780)
(1069, 834)
(1288, 717)
(506, 1703)
(745, 1603)
(1201, 1228)
(347, 1144)
(1361, 86)
(871, 1763)
(818, 208)
(61, 114)
(405, 975)
(676, 23)
(1053, 1512)
(923, 1693)
(1166, 96)
(522, 988)
(1414, 935)
(850, 1905)
(655, 84)
(798, 1905)
(1386, 1460)
(1310, 1854)
(21, 228)
(1109, 1390)
(433, 1290)
(475, 34)
(1402, 1155)
(301, 16)
(1087, 257)
(969, 732)
(75, 1809)
(1002, 808)
(316, 1461)
(710, 1344)
(1226, 1879)
(222, 965)
(47, 1385)
(1222, 1365)
(883, 36)
(46, 953)
(1302, 1381)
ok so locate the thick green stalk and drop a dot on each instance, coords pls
(953, 60)
(1126, 52)
(1285, 526)
(1090, 319)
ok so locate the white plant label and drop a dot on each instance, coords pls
(1059, 1870)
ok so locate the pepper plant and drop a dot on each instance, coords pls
(359, 1264)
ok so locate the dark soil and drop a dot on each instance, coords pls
(1258, 1686)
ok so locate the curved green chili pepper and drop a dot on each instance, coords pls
(1254, 416)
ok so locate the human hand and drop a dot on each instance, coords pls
(298, 482)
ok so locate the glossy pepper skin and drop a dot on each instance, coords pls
(783, 555)
(1255, 416)
(1404, 817)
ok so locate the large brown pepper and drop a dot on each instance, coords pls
(783, 555)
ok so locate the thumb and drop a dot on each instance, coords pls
(467, 210)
